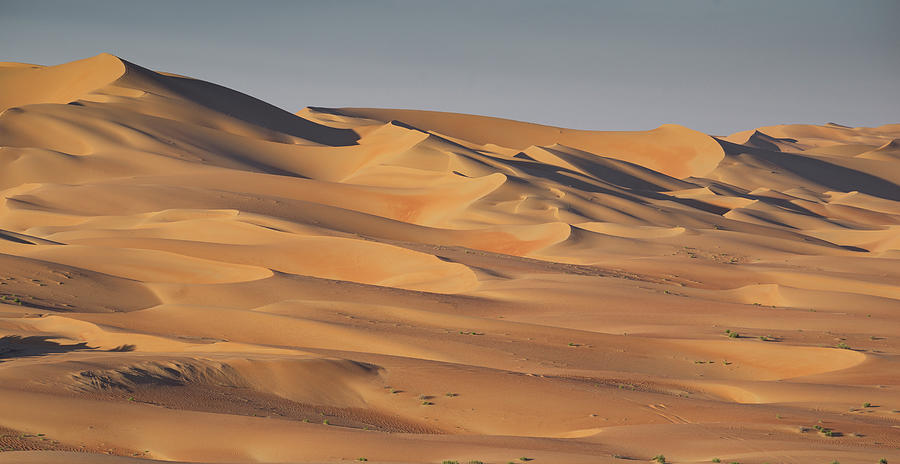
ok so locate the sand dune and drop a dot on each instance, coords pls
(188, 274)
(669, 149)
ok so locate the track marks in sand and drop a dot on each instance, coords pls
(660, 409)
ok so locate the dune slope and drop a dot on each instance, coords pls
(189, 274)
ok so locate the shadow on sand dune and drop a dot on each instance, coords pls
(16, 346)
(251, 110)
(835, 177)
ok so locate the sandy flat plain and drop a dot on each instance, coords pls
(190, 274)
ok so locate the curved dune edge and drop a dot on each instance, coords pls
(29, 85)
(890, 151)
(775, 362)
(149, 265)
(516, 240)
(621, 230)
(323, 257)
(872, 240)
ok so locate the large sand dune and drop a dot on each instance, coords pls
(190, 274)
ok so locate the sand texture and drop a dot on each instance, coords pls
(190, 274)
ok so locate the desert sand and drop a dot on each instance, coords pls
(190, 274)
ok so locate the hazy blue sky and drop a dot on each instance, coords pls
(716, 66)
